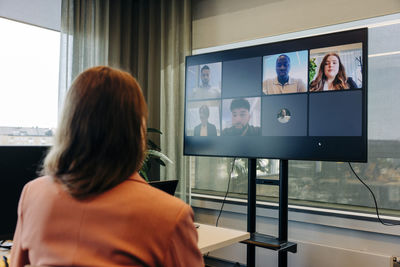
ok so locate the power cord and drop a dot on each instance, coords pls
(5, 261)
(227, 191)
(373, 196)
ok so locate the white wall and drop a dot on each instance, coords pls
(43, 13)
(322, 240)
(227, 21)
(320, 243)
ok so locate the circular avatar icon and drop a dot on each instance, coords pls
(283, 115)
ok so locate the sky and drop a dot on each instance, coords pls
(29, 65)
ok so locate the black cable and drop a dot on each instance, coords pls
(227, 191)
(373, 196)
(5, 261)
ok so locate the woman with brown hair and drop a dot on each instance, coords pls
(332, 75)
(91, 208)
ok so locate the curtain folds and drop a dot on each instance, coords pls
(149, 39)
(176, 32)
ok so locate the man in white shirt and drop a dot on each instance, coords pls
(205, 90)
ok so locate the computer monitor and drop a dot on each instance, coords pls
(18, 165)
(301, 99)
(168, 186)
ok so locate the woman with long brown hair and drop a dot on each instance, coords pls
(91, 208)
(331, 75)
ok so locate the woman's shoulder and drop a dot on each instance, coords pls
(211, 125)
(40, 182)
(352, 84)
(39, 191)
(154, 204)
(144, 190)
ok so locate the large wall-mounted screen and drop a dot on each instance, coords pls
(303, 99)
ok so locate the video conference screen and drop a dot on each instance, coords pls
(301, 99)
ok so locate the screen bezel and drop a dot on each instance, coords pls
(335, 148)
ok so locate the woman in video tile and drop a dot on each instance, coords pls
(284, 116)
(205, 128)
(331, 75)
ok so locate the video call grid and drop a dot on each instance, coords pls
(226, 95)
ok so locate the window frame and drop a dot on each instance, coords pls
(356, 220)
(19, 135)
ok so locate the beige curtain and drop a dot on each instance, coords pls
(149, 39)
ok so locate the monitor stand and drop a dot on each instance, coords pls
(279, 243)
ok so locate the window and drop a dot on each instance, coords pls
(29, 65)
(329, 184)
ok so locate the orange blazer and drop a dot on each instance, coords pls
(132, 224)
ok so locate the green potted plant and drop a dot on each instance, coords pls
(313, 68)
(153, 155)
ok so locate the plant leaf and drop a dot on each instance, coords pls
(153, 130)
(160, 161)
(160, 155)
(152, 145)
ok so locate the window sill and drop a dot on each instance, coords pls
(311, 215)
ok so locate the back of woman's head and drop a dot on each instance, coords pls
(101, 138)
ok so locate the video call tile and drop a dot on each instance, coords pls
(284, 115)
(241, 78)
(337, 113)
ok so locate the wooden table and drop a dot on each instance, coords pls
(212, 238)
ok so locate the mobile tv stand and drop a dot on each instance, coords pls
(279, 243)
